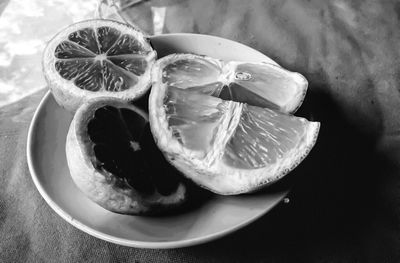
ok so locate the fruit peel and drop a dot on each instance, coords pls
(103, 187)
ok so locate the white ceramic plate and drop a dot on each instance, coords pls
(217, 217)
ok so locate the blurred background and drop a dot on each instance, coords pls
(25, 27)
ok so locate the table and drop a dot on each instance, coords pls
(345, 204)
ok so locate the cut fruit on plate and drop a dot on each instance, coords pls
(225, 146)
(258, 84)
(111, 157)
(96, 58)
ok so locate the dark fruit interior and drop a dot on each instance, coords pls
(101, 58)
(124, 146)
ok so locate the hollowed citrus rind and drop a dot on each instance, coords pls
(67, 94)
(101, 186)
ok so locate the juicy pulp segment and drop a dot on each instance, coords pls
(258, 84)
(126, 44)
(193, 118)
(71, 68)
(264, 85)
(70, 50)
(135, 65)
(185, 73)
(213, 89)
(101, 59)
(90, 78)
(238, 93)
(107, 37)
(115, 79)
(262, 137)
(85, 38)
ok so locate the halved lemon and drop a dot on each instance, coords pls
(96, 58)
(257, 84)
(114, 160)
(226, 146)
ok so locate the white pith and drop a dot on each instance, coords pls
(210, 171)
(71, 97)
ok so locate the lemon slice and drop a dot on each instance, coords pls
(96, 58)
(226, 146)
(114, 160)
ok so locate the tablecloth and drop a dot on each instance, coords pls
(345, 201)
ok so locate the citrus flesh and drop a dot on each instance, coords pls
(113, 159)
(226, 146)
(257, 84)
(194, 118)
(262, 137)
(97, 58)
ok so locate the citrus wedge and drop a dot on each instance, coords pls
(226, 146)
(258, 84)
(113, 159)
(96, 58)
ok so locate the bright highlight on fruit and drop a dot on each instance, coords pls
(96, 58)
(225, 125)
(114, 160)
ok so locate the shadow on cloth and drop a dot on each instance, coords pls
(337, 209)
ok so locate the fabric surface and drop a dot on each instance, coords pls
(345, 204)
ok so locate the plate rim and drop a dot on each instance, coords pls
(268, 59)
(117, 240)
